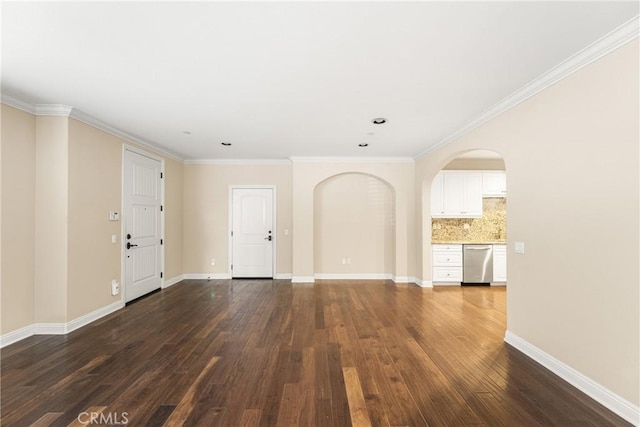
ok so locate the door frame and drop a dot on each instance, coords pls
(230, 226)
(123, 252)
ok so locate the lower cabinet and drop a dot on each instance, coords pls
(499, 263)
(447, 264)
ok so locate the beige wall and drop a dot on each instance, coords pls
(206, 212)
(306, 175)
(475, 164)
(18, 218)
(51, 213)
(61, 178)
(572, 162)
(173, 190)
(95, 188)
(354, 219)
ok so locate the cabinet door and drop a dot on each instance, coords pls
(454, 194)
(472, 194)
(494, 184)
(499, 263)
(437, 206)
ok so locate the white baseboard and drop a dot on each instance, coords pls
(172, 281)
(599, 393)
(424, 283)
(59, 328)
(403, 279)
(446, 284)
(93, 316)
(17, 335)
(302, 279)
(283, 276)
(356, 276)
(206, 276)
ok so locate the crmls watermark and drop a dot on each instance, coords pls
(99, 418)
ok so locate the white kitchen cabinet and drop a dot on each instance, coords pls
(456, 194)
(447, 264)
(437, 196)
(499, 263)
(494, 184)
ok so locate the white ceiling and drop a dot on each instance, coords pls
(290, 79)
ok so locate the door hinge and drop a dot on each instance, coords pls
(232, 266)
(161, 208)
(161, 175)
(161, 242)
(231, 233)
(161, 274)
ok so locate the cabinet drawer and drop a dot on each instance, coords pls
(446, 248)
(447, 274)
(453, 259)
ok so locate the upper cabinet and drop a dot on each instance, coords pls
(456, 194)
(494, 184)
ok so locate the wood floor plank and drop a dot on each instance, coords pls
(267, 352)
(355, 397)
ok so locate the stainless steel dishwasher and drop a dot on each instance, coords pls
(477, 262)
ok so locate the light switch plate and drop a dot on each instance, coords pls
(519, 247)
(114, 215)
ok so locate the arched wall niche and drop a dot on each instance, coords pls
(354, 227)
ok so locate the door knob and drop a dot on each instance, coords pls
(128, 236)
(129, 245)
(268, 238)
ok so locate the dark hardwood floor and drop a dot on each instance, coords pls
(268, 353)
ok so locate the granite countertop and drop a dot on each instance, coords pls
(484, 242)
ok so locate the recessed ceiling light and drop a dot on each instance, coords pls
(364, 144)
(379, 120)
(226, 144)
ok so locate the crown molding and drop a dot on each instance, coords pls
(237, 162)
(58, 110)
(99, 124)
(14, 102)
(615, 39)
(302, 159)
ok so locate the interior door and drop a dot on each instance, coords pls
(252, 233)
(142, 224)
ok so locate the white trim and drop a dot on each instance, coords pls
(206, 276)
(283, 276)
(424, 283)
(14, 102)
(403, 279)
(99, 124)
(302, 159)
(50, 328)
(446, 284)
(53, 110)
(237, 161)
(620, 36)
(355, 276)
(598, 392)
(59, 328)
(274, 202)
(17, 335)
(92, 317)
(302, 279)
(172, 281)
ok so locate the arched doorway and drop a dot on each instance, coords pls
(467, 203)
(354, 228)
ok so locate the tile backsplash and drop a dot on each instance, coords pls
(491, 228)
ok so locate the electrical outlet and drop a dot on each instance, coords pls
(344, 261)
(213, 261)
(115, 287)
(465, 226)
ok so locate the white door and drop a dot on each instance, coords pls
(142, 224)
(252, 232)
